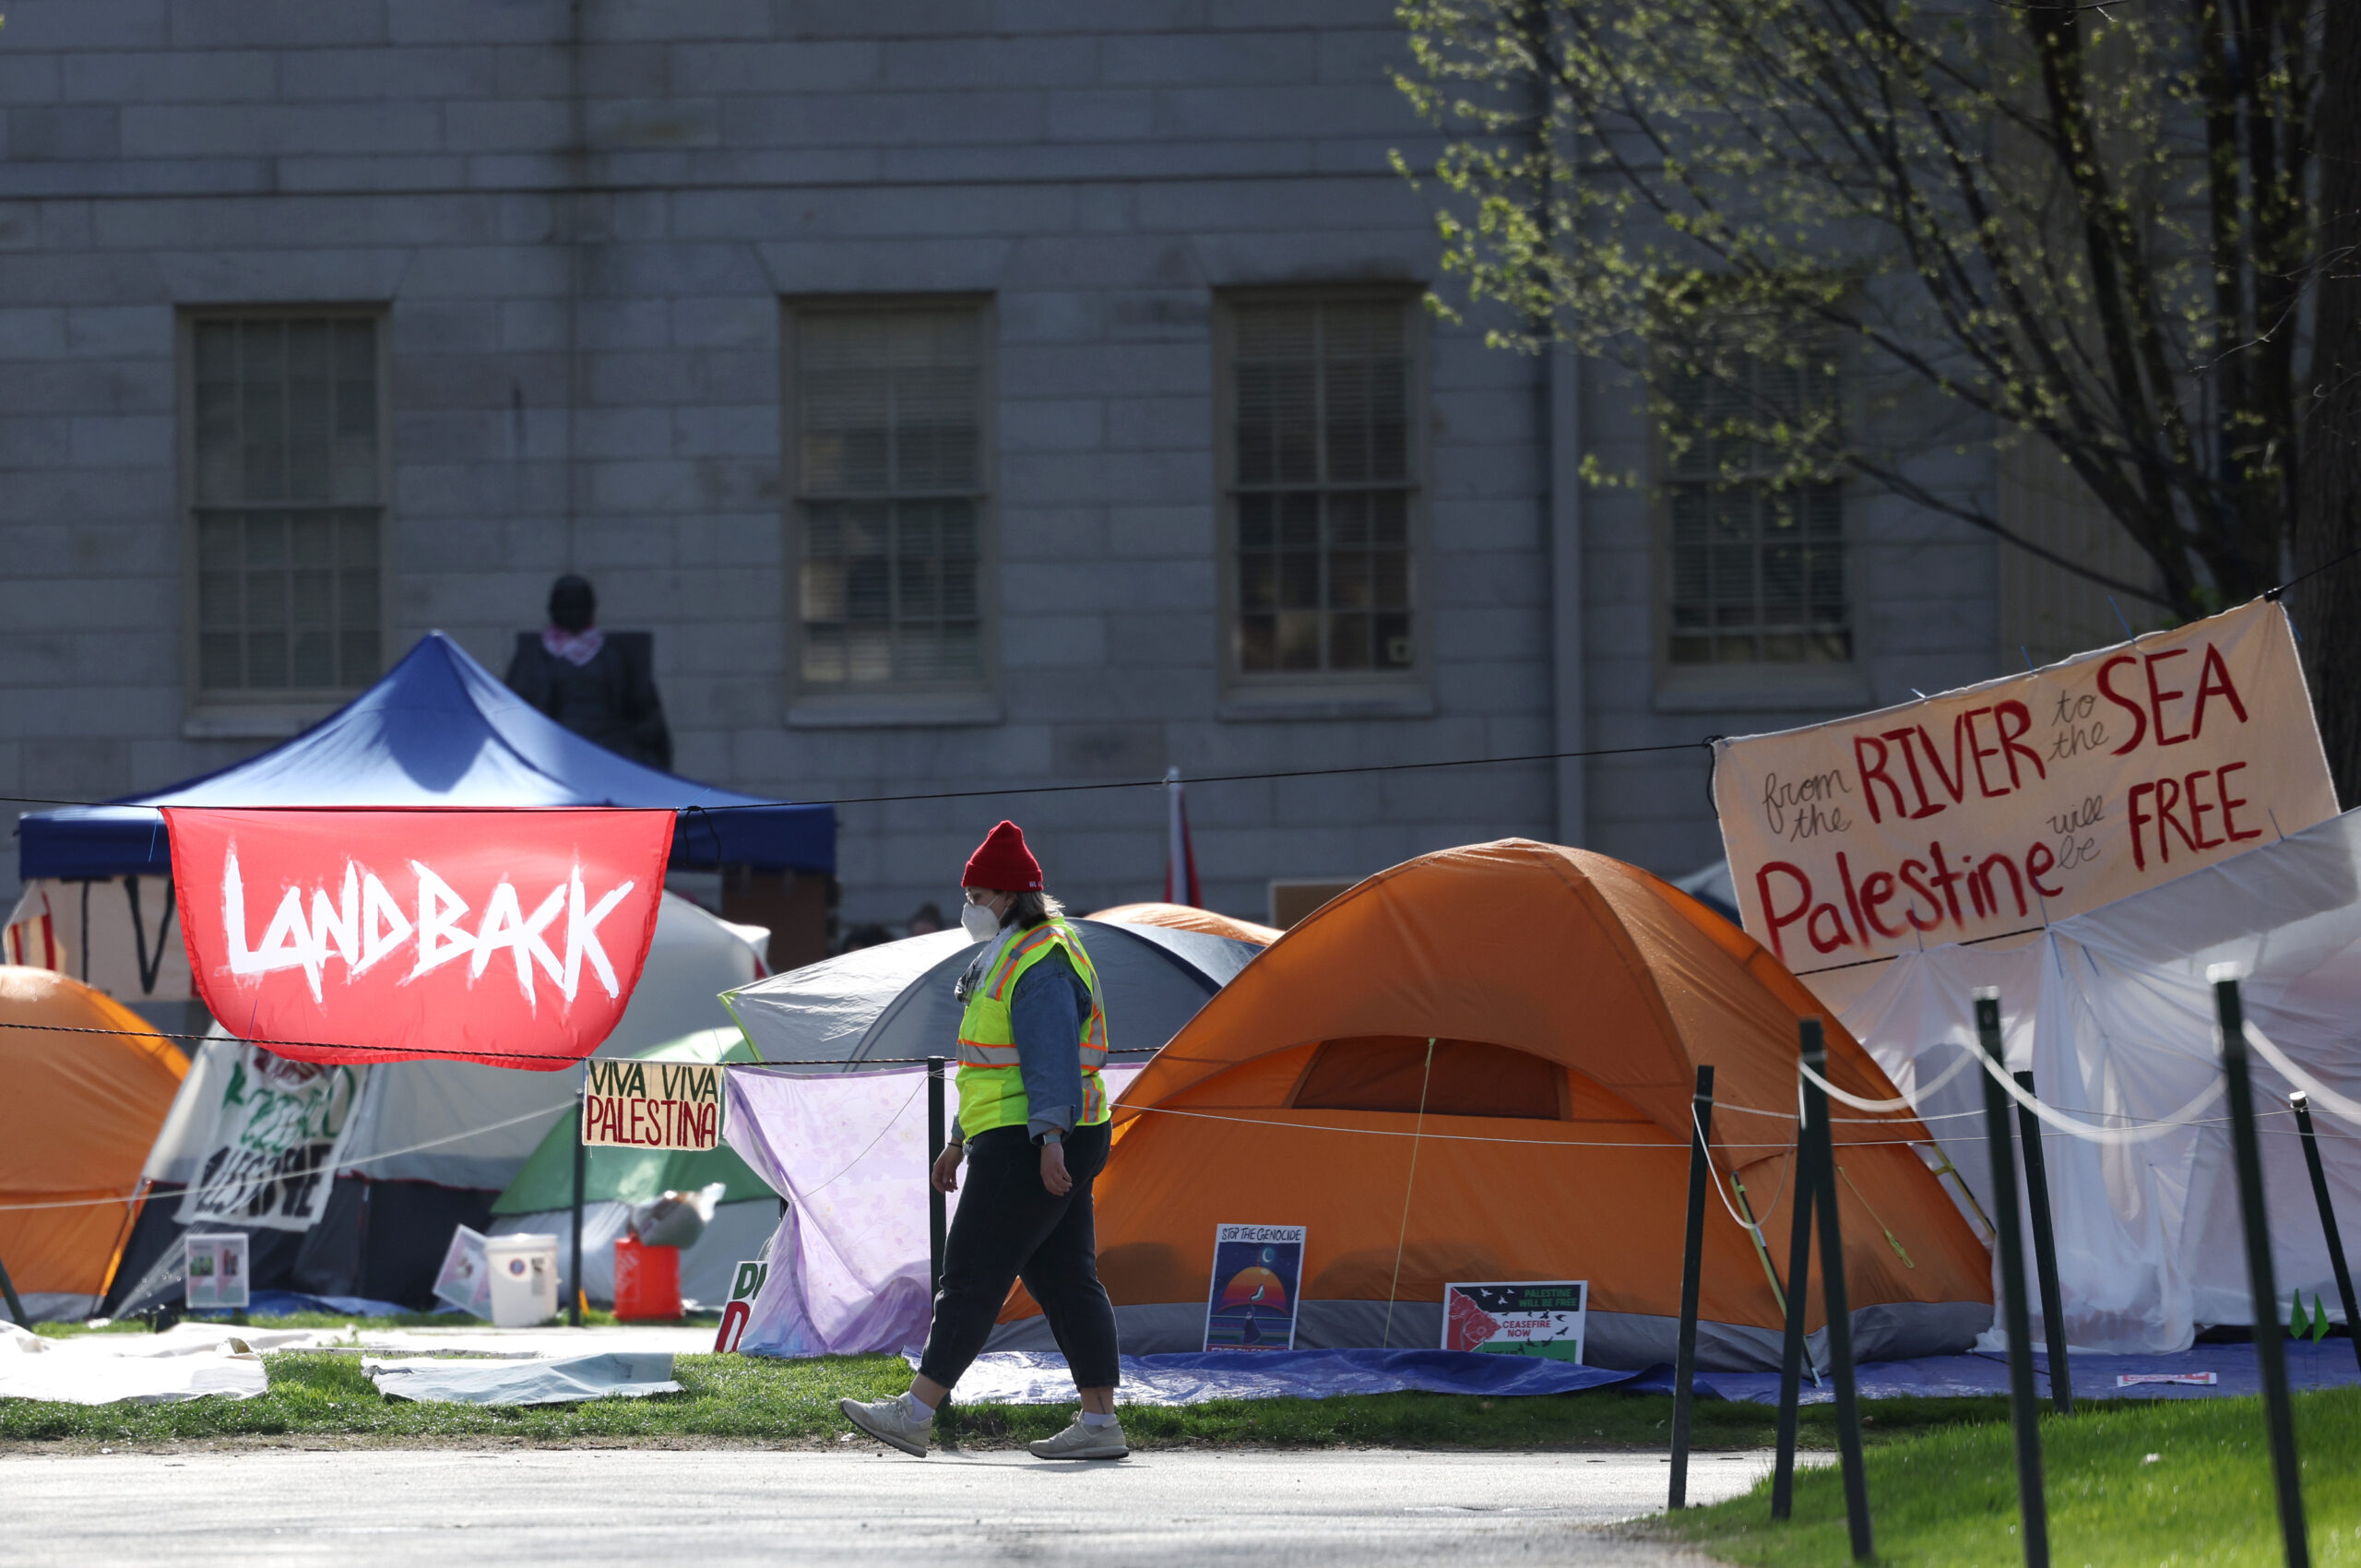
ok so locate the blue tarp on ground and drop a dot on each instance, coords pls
(438, 729)
(1038, 1377)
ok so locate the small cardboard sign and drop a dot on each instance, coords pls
(1529, 1317)
(1257, 1269)
(674, 1105)
(465, 1278)
(217, 1272)
(744, 1285)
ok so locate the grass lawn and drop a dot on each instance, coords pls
(748, 1400)
(2159, 1482)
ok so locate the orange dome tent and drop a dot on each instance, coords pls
(78, 1117)
(1186, 917)
(1519, 1026)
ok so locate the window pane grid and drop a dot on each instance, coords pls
(284, 417)
(1320, 492)
(888, 408)
(1756, 567)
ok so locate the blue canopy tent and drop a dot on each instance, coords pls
(438, 729)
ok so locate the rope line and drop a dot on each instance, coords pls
(1156, 783)
(2320, 1094)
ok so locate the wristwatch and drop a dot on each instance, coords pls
(1052, 1137)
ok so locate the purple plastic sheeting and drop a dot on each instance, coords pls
(848, 1264)
(1039, 1377)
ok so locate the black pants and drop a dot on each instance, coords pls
(1010, 1227)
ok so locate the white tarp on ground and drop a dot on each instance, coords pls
(2112, 1012)
(189, 1362)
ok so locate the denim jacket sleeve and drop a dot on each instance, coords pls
(1047, 1014)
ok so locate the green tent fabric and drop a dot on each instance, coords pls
(634, 1176)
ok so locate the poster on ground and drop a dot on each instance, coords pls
(1525, 1317)
(2003, 807)
(744, 1285)
(278, 1136)
(347, 936)
(1257, 1269)
(218, 1271)
(673, 1105)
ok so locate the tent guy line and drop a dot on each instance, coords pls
(1158, 783)
(337, 1170)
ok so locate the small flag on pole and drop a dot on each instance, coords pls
(1180, 856)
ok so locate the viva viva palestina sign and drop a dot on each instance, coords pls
(2024, 800)
(652, 1105)
(510, 937)
(278, 1135)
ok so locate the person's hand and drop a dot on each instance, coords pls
(947, 1167)
(1054, 1170)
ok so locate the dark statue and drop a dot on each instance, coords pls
(598, 684)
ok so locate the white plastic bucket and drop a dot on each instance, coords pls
(524, 1280)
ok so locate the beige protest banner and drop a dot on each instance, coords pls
(2006, 805)
(652, 1105)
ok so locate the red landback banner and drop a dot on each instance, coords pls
(507, 937)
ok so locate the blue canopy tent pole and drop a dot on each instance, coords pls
(437, 730)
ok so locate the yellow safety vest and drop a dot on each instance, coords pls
(992, 1086)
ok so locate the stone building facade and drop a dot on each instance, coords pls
(970, 395)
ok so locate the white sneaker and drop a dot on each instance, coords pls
(890, 1420)
(1079, 1442)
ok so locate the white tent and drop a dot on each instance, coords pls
(2112, 1012)
(458, 1126)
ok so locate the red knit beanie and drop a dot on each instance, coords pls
(1002, 864)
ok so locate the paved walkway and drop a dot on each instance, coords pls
(630, 1508)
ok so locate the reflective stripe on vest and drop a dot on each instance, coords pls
(991, 1088)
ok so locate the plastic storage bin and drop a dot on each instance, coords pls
(647, 1281)
(524, 1280)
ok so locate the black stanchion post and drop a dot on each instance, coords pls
(2044, 1254)
(2262, 1286)
(1832, 1279)
(1693, 1250)
(2302, 1106)
(1792, 1349)
(581, 1159)
(935, 1207)
(16, 1307)
(2024, 1406)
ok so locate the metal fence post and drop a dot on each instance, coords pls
(2269, 1354)
(1684, 1370)
(573, 1294)
(1793, 1347)
(936, 1209)
(2024, 1410)
(2044, 1254)
(1832, 1279)
(2301, 1104)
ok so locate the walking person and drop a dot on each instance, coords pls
(1033, 1129)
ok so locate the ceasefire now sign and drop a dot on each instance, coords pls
(348, 934)
(2007, 805)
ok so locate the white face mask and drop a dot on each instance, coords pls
(979, 922)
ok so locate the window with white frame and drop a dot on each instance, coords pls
(1757, 558)
(284, 417)
(888, 436)
(1321, 486)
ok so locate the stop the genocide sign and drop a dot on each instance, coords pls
(508, 937)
